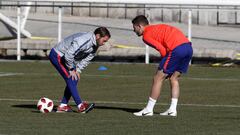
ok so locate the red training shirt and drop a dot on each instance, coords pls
(163, 38)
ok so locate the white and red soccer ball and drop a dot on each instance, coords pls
(45, 105)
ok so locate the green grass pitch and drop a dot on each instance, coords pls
(209, 103)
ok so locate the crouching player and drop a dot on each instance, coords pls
(70, 57)
(176, 52)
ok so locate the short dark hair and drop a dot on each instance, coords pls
(102, 31)
(140, 19)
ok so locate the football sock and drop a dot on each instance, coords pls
(173, 105)
(151, 104)
(62, 105)
(79, 105)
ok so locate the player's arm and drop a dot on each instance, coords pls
(152, 42)
(69, 55)
(75, 45)
(69, 58)
(84, 62)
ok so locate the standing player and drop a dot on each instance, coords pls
(70, 57)
(176, 52)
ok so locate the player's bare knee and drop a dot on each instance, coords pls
(159, 77)
(173, 81)
(174, 78)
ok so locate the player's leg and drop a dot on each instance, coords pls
(156, 89)
(66, 97)
(57, 63)
(83, 107)
(64, 107)
(71, 88)
(174, 83)
(154, 94)
(157, 83)
(175, 92)
(55, 59)
(179, 63)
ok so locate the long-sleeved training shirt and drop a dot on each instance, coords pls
(78, 50)
(163, 38)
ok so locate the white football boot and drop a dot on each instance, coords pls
(143, 112)
(169, 113)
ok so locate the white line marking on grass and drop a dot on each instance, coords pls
(126, 103)
(115, 76)
(212, 79)
(2, 74)
(137, 76)
(18, 100)
(140, 103)
(189, 78)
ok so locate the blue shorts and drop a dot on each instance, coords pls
(177, 59)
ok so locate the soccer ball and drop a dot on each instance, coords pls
(45, 105)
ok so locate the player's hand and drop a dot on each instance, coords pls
(74, 75)
(78, 75)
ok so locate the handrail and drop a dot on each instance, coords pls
(154, 2)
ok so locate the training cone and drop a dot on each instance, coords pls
(102, 68)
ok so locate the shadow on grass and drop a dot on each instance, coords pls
(131, 110)
(33, 108)
(27, 106)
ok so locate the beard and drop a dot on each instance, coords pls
(139, 34)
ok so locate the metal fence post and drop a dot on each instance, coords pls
(18, 33)
(190, 25)
(190, 28)
(148, 15)
(0, 4)
(59, 24)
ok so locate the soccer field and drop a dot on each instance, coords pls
(209, 103)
